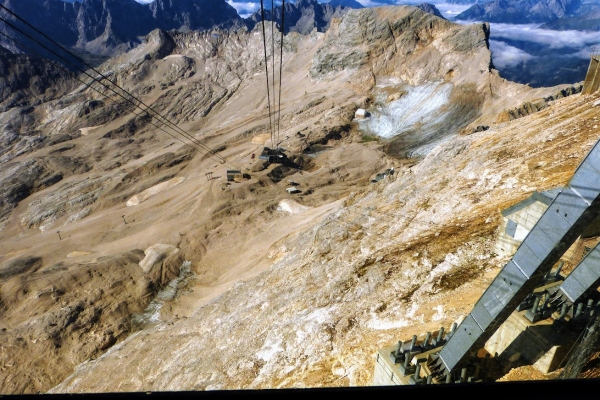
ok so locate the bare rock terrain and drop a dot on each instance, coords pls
(274, 298)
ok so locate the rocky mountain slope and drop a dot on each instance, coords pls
(399, 259)
(26, 81)
(120, 250)
(106, 27)
(586, 18)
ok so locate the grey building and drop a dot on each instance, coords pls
(520, 218)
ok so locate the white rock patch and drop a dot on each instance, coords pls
(291, 206)
(146, 194)
(155, 254)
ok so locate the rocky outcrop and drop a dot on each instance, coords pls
(20, 179)
(73, 199)
(155, 255)
(388, 41)
(26, 80)
(431, 9)
(536, 105)
(74, 313)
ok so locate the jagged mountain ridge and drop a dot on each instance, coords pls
(105, 27)
(345, 3)
(303, 16)
(586, 18)
(431, 9)
(520, 11)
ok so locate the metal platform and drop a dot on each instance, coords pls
(526, 285)
(274, 156)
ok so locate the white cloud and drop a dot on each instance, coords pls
(371, 3)
(244, 8)
(451, 10)
(548, 37)
(585, 53)
(144, 1)
(551, 38)
(504, 55)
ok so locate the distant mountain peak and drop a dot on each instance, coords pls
(303, 16)
(431, 9)
(105, 27)
(520, 11)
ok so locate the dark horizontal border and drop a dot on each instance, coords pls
(555, 389)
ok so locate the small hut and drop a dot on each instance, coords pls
(520, 218)
(234, 175)
(361, 113)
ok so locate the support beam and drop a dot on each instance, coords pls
(573, 209)
(584, 278)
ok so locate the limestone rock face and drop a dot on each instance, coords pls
(159, 45)
(155, 254)
(20, 179)
(26, 81)
(185, 15)
(74, 199)
(404, 42)
(431, 9)
(74, 313)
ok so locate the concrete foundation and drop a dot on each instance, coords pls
(386, 372)
(540, 344)
(517, 342)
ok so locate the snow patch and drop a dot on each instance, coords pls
(156, 254)
(154, 190)
(291, 206)
(417, 108)
(382, 324)
(439, 313)
(152, 312)
(271, 347)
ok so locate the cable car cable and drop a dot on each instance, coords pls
(262, 10)
(161, 119)
(89, 85)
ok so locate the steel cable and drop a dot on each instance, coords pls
(155, 114)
